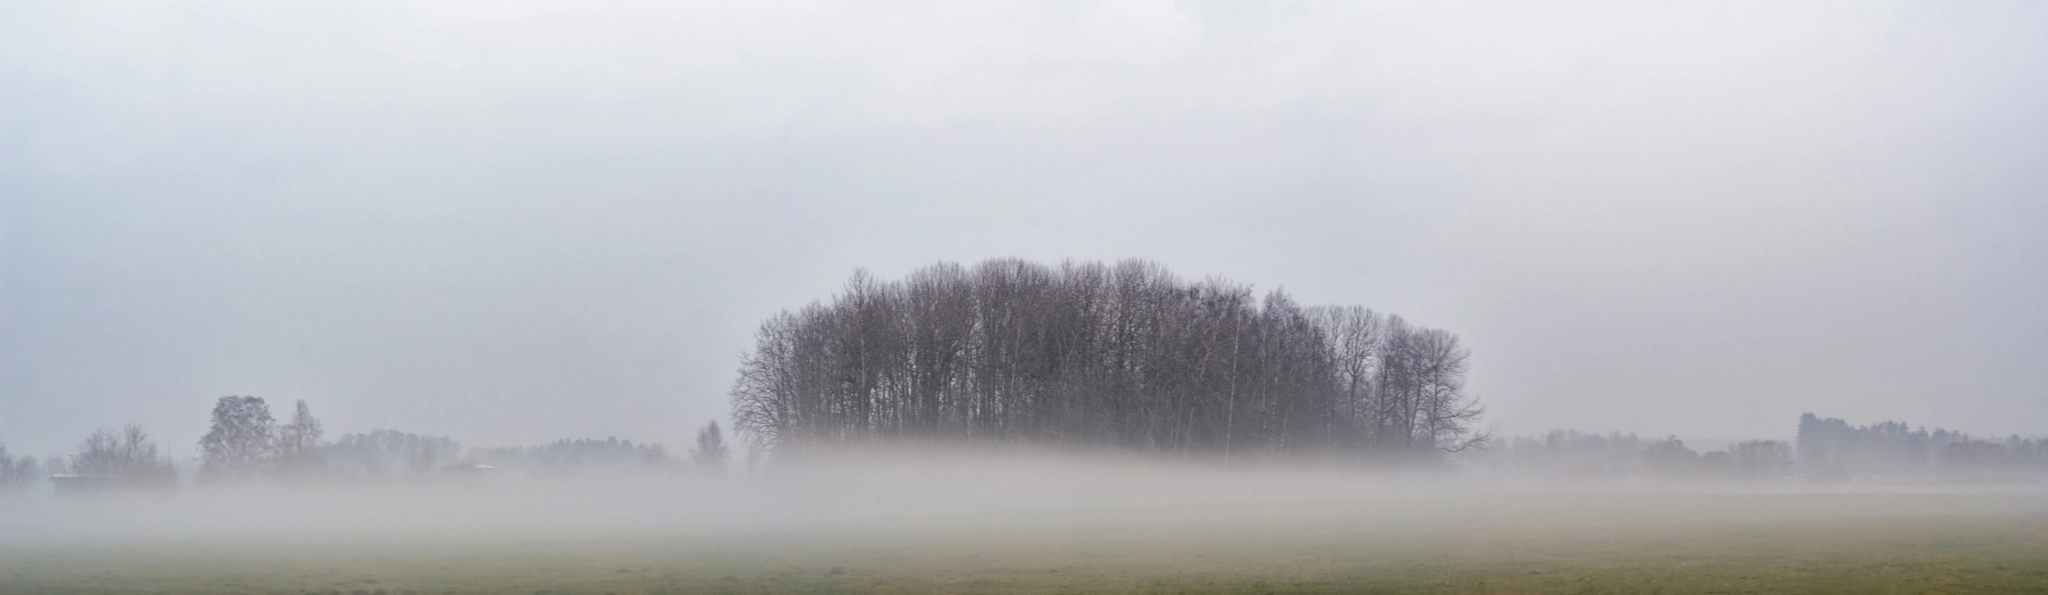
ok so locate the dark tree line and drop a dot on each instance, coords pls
(384, 455)
(1827, 450)
(1571, 455)
(1830, 447)
(245, 442)
(565, 457)
(1125, 355)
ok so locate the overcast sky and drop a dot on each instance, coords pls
(513, 222)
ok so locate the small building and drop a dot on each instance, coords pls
(75, 484)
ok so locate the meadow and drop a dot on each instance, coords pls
(1639, 541)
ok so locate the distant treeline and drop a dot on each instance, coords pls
(20, 472)
(1572, 455)
(1125, 355)
(572, 456)
(1832, 447)
(381, 455)
(1827, 449)
(389, 454)
(127, 458)
(245, 442)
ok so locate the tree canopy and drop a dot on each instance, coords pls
(242, 440)
(1125, 355)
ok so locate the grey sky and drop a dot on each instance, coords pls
(511, 222)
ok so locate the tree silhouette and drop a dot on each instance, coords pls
(710, 453)
(1123, 355)
(242, 439)
(17, 473)
(298, 442)
(127, 455)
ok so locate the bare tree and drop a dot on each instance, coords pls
(127, 454)
(1356, 338)
(298, 442)
(17, 473)
(242, 441)
(1448, 414)
(710, 453)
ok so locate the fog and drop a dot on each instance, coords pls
(972, 496)
(1292, 277)
(516, 222)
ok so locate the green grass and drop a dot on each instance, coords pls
(1685, 544)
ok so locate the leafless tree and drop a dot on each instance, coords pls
(298, 443)
(710, 453)
(1448, 414)
(242, 440)
(128, 454)
(17, 473)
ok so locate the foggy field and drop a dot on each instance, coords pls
(336, 297)
(1486, 541)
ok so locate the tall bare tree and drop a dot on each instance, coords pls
(298, 442)
(242, 440)
(710, 453)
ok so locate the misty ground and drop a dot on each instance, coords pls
(1024, 527)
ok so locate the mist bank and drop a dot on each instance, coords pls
(390, 486)
(852, 489)
(248, 451)
(964, 489)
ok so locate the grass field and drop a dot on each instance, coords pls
(1649, 542)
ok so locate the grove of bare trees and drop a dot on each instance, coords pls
(16, 473)
(128, 455)
(1125, 355)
